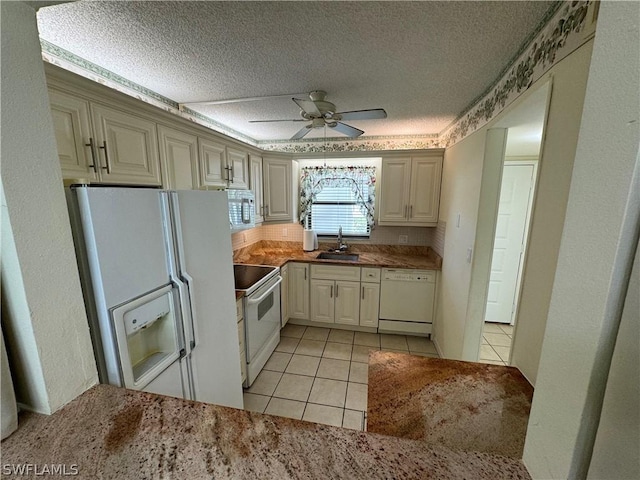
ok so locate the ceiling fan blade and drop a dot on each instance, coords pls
(308, 106)
(363, 114)
(285, 120)
(348, 130)
(302, 132)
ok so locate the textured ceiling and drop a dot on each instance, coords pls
(423, 62)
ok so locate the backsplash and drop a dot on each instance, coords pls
(292, 232)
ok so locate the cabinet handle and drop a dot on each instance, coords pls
(305, 273)
(93, 154)
(411, 211)
(231, 173)
(362, 293)
(106, 157)
(405, 212)
(331, 293)
(336, 291)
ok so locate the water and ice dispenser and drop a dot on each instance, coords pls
(148, 336)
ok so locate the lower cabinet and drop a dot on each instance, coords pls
(284, 295)
(335, 301)
(298, 278)
(335, 295)
(369, 304)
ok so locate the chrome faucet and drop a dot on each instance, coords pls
(340, 246)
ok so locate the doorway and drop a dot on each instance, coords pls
(511, 233)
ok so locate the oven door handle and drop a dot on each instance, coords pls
(253, 301)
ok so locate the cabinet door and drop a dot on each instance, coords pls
(299, 290)
(127, 147)
(278, 204)
(255, 184)
(178, 159)
(425, 190)
(73, 136)
(347, 300)
(322, 298)
(284, 295)
(238, 165)
(394, 189)
(369, 304)
(213, 163)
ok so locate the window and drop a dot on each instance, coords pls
(333, 197)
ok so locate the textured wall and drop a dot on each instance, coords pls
(599, 238)
(51, 313)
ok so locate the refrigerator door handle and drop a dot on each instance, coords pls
(186, 301)
(179, 276)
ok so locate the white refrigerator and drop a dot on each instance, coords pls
(157, 274)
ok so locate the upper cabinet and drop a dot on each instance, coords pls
(257, 186)
(127, 147)
(178, 159)
(101, 144)
(75, 141)
(410, 190)
(280, 185)
(222, 166)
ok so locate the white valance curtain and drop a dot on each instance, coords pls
(361, 180)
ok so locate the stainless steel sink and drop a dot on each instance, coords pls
(346, 257)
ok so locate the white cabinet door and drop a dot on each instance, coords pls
(322, 301)
(278, 204)
(347, 302)
(369, 304)
(238, 166)
(256, 185)
(284, 295)
(425, 190)
(73, 136)
(410, 191)
(394, 189)
(213, 163)
(127, 147)
(178, 159)
(299, 290)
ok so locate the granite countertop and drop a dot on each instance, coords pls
(111, 432)
(390, 256)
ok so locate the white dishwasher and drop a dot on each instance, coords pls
(406, 301)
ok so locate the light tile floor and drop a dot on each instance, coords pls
(320, 374)
(496, 343)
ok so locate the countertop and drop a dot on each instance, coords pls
(111, 432)
(389, 256)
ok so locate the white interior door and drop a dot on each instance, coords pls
(515, 199)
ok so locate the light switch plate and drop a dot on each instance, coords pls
(403, 239)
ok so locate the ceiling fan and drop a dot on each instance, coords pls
(319, 112)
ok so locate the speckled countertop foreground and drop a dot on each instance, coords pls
(390, 256)
(462, 405)
(113, 433)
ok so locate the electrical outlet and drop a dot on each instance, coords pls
(403, 239)
(469, 255)
(285, 232)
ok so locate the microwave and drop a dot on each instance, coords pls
(241, 209)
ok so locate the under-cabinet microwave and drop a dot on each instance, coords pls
(241, 209)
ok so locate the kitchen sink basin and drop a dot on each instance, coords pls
(347, 257)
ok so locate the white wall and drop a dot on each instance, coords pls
(615, 454)
(458, 323)
(598, 243)
(554, 178)
(47, 321)
(460, 194)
